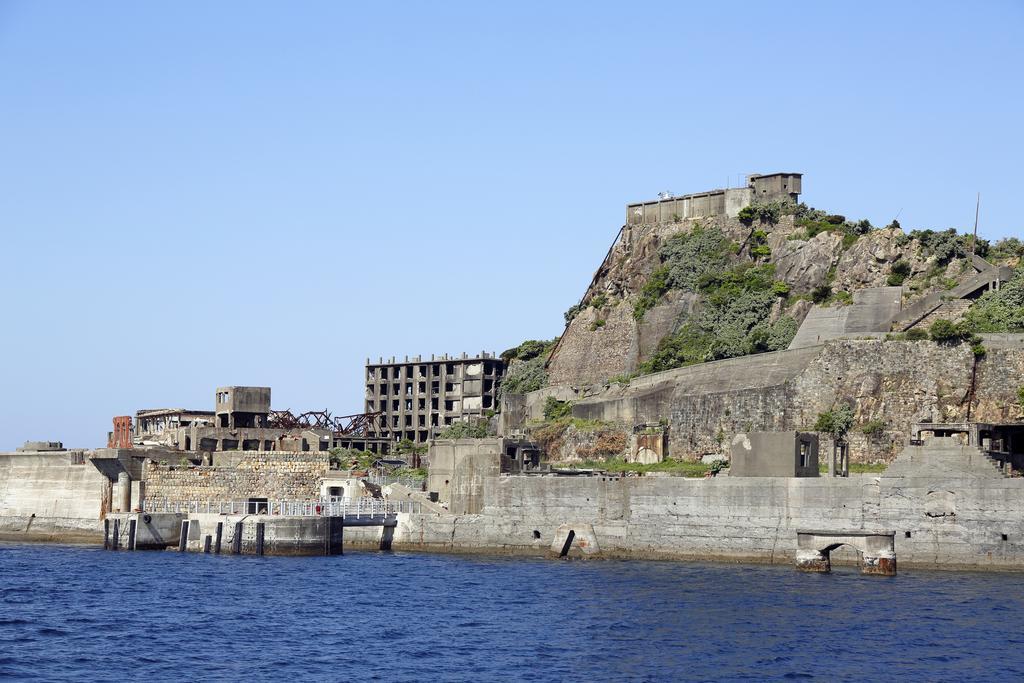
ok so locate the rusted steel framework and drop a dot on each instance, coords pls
(345, 425)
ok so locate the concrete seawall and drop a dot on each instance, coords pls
(966, 519)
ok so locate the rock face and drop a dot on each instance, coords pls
(591, 352)
(892, 384)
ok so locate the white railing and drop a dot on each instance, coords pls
(334, 507)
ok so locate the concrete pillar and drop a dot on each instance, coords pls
(882, 565)
(124, 492)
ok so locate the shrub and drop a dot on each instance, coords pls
(835, 422)
(599, 301)
(780, 288)
(525, 376)
(898, 273)
(835, 219)
(1020, 397)
(843, 298)
(597, 324)
(945, 332)
(1001, 310)
(820, 294)
(555, 409)
(873, 428)
(916, 334)
(978, 350)
(464, 430)
(573, 311)
(747, 214)
(531, 348)
(651, 292)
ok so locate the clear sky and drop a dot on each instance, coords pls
(196, 194)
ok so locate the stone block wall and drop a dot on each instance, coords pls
(894, 383)
(276, 475)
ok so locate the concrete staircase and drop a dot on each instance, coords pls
(871, 312)
(988, 278)
(944, 456)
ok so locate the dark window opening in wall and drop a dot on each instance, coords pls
(250, 444)
(436, 369)
(423, 435)
(422, 387)
(488, 368)
(449, 386)
(383, 405)
(305, 445)
(411, 436)
(422, 420)
(906, 534)
(223, 419)
(394, 421)
(449, 369)
(435, 388)
(383, 373)
(268, 445)
(207, 444)
(408, 389)
(488, 401)
(383, 390)
(447, 421)
(422, 404)
(449, 405)
(408, 404)
(433, 420)
(1005, 537)
(434, 403)
(421, 371)
(805, 454)
(229, 444)
(397, 389)
(408, 420)
(256, 506)
(245, 420)
(188, 443)
(488, 384)
(394, 405)
(325, 445)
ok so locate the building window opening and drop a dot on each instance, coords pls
(256, 506)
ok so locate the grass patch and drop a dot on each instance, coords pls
(679, 468)
(858, 467)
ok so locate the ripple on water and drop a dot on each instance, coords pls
(402, 616)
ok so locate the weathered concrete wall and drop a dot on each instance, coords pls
(276, 475)
(774, 454)
(458, 468)
(51, 496)
(943, 517)
(898, 383)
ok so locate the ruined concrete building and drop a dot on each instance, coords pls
(417, 399)
(243, 421)
(728, 202)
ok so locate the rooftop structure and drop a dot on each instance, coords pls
(728, 202)
(417, 398)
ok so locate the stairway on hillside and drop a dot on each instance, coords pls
(942, 456)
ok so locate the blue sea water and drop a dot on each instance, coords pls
(76, 613)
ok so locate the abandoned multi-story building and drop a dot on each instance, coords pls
(728, 202)
(416, 399)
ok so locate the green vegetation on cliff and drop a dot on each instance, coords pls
(526, 371)
(733, 320)
(1001, 310)
(685, 259)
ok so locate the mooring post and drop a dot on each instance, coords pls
(206, 543)
(220, 533)
(183, 537)
(260, 530)
(117, 533)
(132, 525)
(106, 534)
(236, 542)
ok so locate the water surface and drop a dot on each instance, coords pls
(75, 613)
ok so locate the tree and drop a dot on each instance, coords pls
(836, 422)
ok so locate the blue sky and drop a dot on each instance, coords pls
(202, 194)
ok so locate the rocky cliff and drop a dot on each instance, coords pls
(627, 316)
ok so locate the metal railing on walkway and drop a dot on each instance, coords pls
(337, 507)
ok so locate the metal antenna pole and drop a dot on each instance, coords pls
(974, 239)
